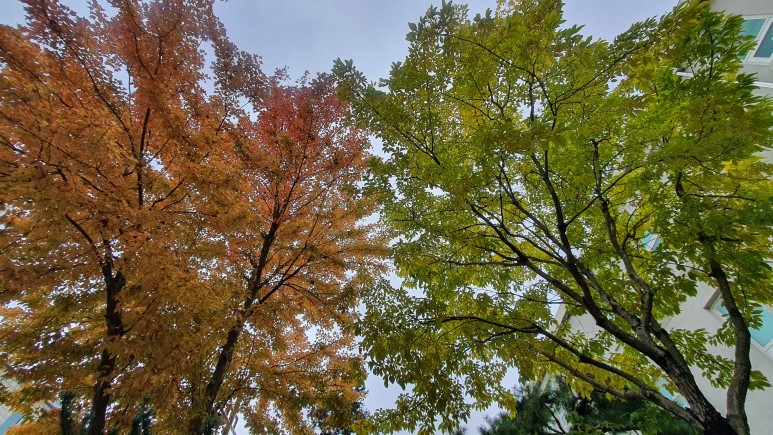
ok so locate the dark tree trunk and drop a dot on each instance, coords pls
(115, 331)
(254, 284)
(218, 376)
(718, 426)
(742, 366)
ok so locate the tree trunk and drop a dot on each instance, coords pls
(196, 425)
(718, 426)
(115, 331)
(705, 414)
(218, 376)
(742, 366)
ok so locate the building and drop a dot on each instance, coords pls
(758, 23)
(705, 310)
(8, 417)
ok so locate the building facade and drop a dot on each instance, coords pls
(705, 310)
(758, 23)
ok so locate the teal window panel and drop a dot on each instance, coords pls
(10, 421)
(752, 26)
(650, 241)
(678, 398)
(763, 334)
(766, 45)
(663, 391)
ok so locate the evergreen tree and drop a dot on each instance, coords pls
(143, 420)
(557, 409)
(70, 411)
(66, 415)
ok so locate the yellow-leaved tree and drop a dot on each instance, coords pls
(159, 241)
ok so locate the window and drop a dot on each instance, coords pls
(762, 335)
(10, 420)
(681, 401)
(761, 29)
(650, 241)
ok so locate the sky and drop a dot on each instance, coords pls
(307, 35)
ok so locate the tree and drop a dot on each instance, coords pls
(72, 421)
(48, 423)
(557, 409)
(537, 413)
(156, 240)
(104, 127)
(525, 165)
(324, 423)
(143, 421)
(296, 260)
(66, 413)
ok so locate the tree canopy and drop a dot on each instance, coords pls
(167, 231)
(526, 166)
(556, 409)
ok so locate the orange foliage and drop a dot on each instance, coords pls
(47, 424)
(143, 219)
(295, 257)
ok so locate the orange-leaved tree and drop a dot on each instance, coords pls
(105, 133)
(158, 240)
(296, 259)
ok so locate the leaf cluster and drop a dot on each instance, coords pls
(526, 166)
(146, 218)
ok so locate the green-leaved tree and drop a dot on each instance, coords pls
(526, 164)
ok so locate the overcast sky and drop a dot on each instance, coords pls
(307, 35)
